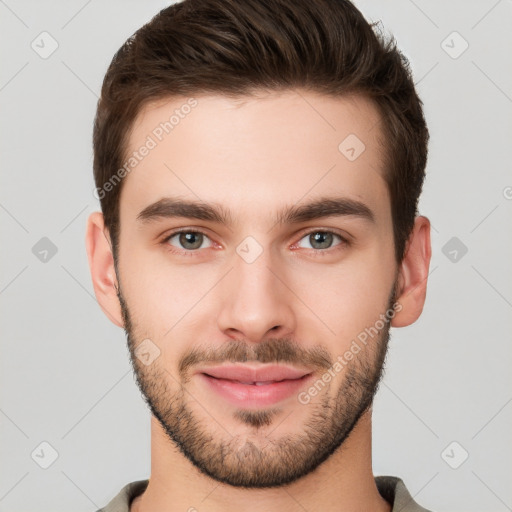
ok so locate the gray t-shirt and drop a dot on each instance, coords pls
(391, 488)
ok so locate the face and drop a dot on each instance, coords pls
(288, 260)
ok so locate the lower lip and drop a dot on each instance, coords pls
(251, 395)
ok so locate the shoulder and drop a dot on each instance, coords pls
(121, 502)
(393, 490)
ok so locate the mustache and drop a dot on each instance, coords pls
(271, 350)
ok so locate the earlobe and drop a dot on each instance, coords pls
(413, 274)
(101, 265)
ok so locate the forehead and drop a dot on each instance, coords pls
(255, 153)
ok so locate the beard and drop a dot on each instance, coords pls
(241, 461)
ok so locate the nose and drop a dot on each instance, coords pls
(256, 300)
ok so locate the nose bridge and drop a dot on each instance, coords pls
(253, 300)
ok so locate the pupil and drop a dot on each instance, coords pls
(188, 238)
(324, 239)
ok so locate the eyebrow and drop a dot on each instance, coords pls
(169, 207)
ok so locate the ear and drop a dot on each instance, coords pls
(413, 274)
(101, 264)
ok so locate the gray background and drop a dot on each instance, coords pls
(65, 374)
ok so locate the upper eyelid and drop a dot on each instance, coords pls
(184, 230)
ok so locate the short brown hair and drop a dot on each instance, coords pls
(235, 47)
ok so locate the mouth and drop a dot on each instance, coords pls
(250, 383)
(255, 383)
(250, 392)
(249, 374)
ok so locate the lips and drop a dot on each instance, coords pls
(254, 386)
(256, 375)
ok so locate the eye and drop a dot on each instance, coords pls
(188, 240)
(321, 240)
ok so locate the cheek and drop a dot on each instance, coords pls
(347, 297)
(160, 295)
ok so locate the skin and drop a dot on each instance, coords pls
(255, 156)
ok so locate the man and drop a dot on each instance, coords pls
(259, 165)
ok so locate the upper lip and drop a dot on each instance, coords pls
(254, 373)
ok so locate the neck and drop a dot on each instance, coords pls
(342, 483)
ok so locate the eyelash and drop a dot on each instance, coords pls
(317, 252)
